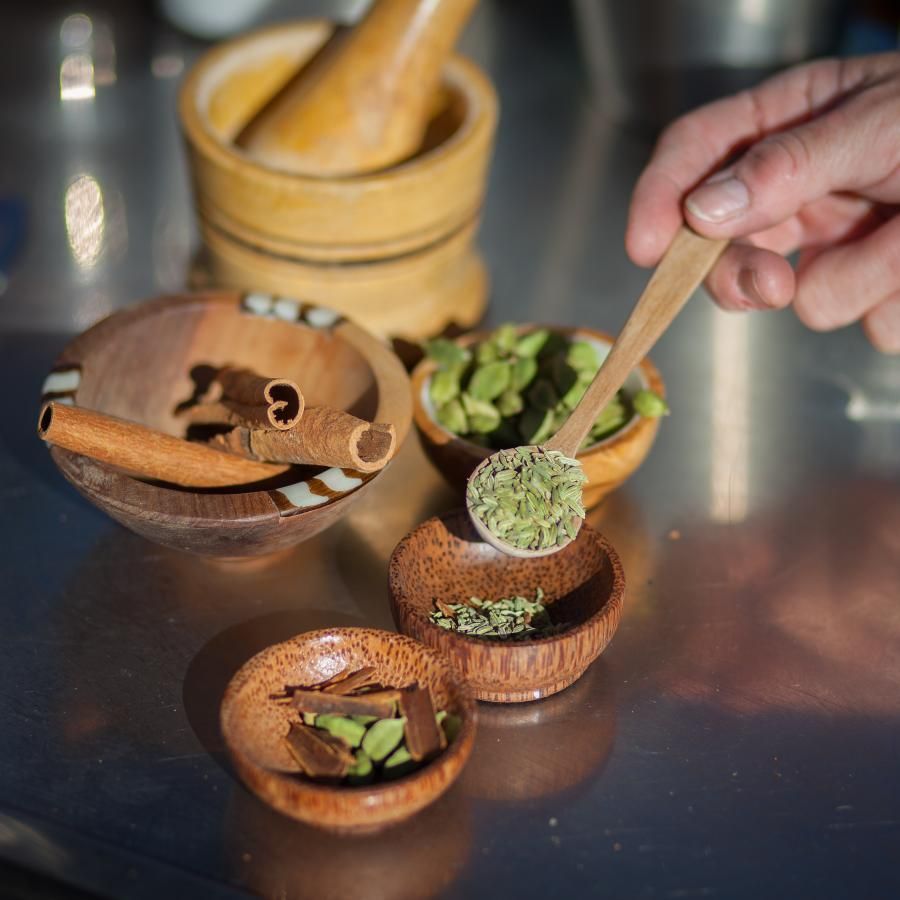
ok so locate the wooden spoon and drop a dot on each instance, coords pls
(682, 268)
(362, 103)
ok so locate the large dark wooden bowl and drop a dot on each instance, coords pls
(254, 726)
(137, 364)
(445, 558)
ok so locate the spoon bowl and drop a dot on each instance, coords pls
(489, 537)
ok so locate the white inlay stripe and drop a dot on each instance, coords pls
(321, 317)
(62, 382)
(336, 480)
(301, 496)
(261, 304)
(286, 309)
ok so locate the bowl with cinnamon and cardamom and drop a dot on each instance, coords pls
(348, 729)
(222, 423)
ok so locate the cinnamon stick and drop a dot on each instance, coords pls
(423, 734)
(323, 437)
(376, 703)
(317, 753)
(241, 397)
(144, 451)
(362, 678)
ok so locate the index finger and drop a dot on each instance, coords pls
(700, 142)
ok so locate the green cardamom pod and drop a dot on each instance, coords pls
(383, 738)
(532, 343)
(444, 387)
(362, 771)
(523, 372)
(400, 762)
(453, 417)
(571, 398)
(489, 381)
(510, 403)
(505, 338)
(447, 354)
(582, 357)
(536, 425)
(342, 727)
(486, 352)
(650, 405)
(483, 417)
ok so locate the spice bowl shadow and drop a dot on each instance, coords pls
(254, 726)
(584, 587)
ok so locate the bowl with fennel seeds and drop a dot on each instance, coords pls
(516, 628)
(348, 729)
(515, 386)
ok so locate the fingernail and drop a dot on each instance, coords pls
(719, 201)
(750, 288)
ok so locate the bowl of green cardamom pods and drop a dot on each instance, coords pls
(515, 386)
(515, 628)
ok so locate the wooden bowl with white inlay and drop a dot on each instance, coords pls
(143, 362)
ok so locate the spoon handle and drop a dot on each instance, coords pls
(684, 265)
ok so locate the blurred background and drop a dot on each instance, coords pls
(92, 168)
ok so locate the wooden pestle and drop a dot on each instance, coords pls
(146, 452)
(362, 103)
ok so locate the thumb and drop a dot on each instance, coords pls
(776, 177)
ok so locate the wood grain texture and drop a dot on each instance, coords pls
(414, 295)
(381, 215)
(607, 464)
(253, 726)
(362, 102)
(337, 364)
(685, 264)
(146, 452)
(444, 558)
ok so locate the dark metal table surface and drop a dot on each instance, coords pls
(739, 738)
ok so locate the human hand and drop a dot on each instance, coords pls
(819, 173)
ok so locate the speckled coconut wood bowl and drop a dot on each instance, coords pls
(253, 726)
(444, 558)
(137, 364)
(607, 464)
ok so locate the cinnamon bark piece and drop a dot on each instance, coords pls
(323, 437)
(423, 734)
(146, 452)
(319, 754)
(362, 678)
(377, 703)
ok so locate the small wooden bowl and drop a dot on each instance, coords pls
(253, 726)
(444, 558)
(137, 364)
(607, 464)
(364, 243)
